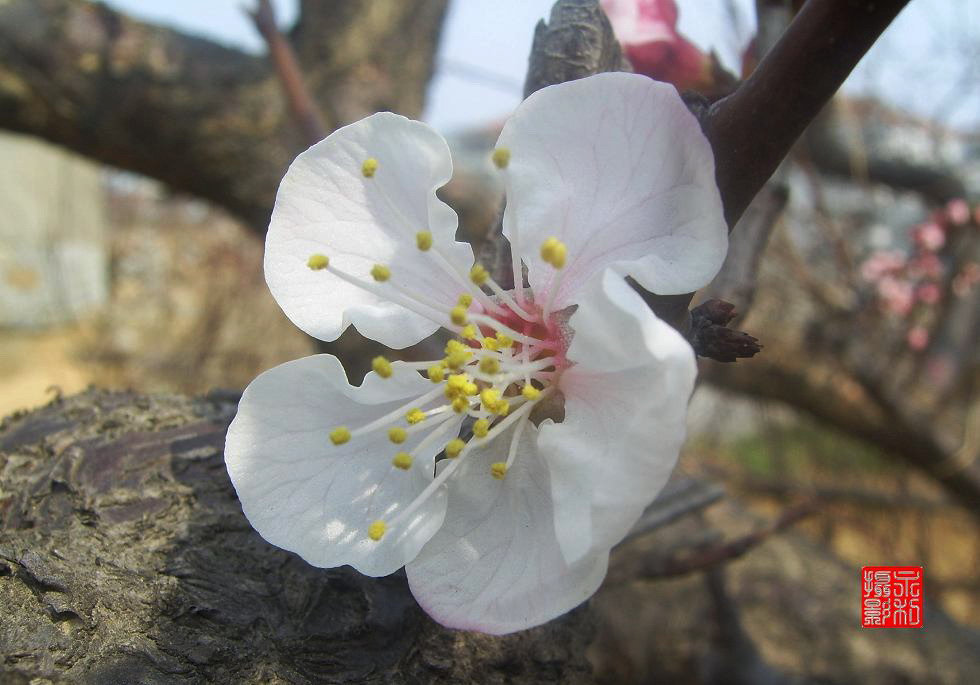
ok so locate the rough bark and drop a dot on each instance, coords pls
(201, 117)
(125, 558)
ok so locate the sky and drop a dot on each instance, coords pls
(927, 62)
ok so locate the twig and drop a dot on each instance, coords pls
(753, 129)
(283, 58)
(650, 567)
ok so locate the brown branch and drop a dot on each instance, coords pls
(287, 68)
(752, 130)
(648, 567)
(198, 116)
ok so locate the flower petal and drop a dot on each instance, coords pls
(625, 409)
(326, 205)
(617, 168)
(309, 496)
(495, 565)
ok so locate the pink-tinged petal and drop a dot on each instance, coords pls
(617, 168)
(326, 205)
(625, 409)
(495, 565)
(641, 21)
(305, 494)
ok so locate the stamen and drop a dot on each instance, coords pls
(496, 325)
(489, 365)
(507, 299)
(514, 441)
(501, 157)
(480, 428)
(376, 530)
(437, 482)
(369, 167)
(530, 392)
(423, 240)
(382, 367)
(402, 460)
(380, 273)
(454, 447)
(318, 262)
(498, 470)
(418, 305)
(465, 300)
(397, 434)
(415, 415)
(468, 332)
(437, 373)
(395, 414)
(340, 435)
(478, 274)
(554, 252)
(458, 315)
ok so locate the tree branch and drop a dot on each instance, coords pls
(200, 117)
(301, 105)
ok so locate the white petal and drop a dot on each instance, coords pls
(495, 565)
(326, 206)
(625, 407)
(617, 168)
(309, 496)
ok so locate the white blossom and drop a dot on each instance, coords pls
(606, 177)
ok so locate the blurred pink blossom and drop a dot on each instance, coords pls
(648, 31)
(928, 293)
(880, 264)
(917, 338)
(926, 265)
(931, 236)
(958, 211)
(896, 295)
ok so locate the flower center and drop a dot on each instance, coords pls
(508, 353)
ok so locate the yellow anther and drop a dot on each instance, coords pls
(502, 408)
(423, 240)
(471, 389)
(501, 157)
(530, 392)
(402, 460)
(468, 332)
(465, 300)
(382, 367)
(498, 470)
(489, 365)
(454, 447)
(490, 398)
(380, 273)
(561, 253)
(369, 167)
(478, 274)
(397, 435)
(318, 262)
(460, 404)
(456, 360)
(554, 252)
(489, 343)
(504, 340)
(339, 435)
(415, 415)
(455, 346)
(455, 385)
(481, 427)
(437, 373)
(458, 315)
(376, 530)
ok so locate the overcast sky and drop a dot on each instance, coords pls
(928, 62)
